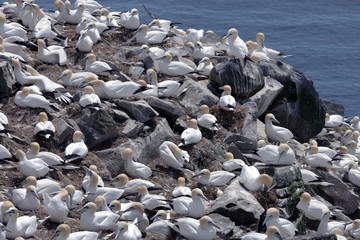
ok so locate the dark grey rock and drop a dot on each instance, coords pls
(145, 149)
(242, 143)
(196, 95)
(266, 96)
(98, 127)
(140, 110)
(7, 79)
(136, 72)
(211, 38)
(225, 224)
(169, 109)
(64, 131)
(132, 128)
(238, 204)
(126, 52)
(315, 236)
(236, 152)
(249, 129)
(298, 104)
(244, 82)
(334, 108)
(120, 116)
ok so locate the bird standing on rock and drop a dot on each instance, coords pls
(226, 101)
(191, 135)
(275, 133)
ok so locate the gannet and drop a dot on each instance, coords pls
(11, 29)
(251, 46)
(20, 76)
(328, 151)
(3, 230)
(90, 5)
(91, 220)
(82, 25)
(117, 207)
(272, 233)
(74, 16)
(51, 54)
(84, 42)
(308, 176)
(70, 78)
(190, 206)
(150, 201)
(172, 155)
(312, 207)
(4, 153)
(93, 32)
(128, 231)
(205, 66)
(159, 225)
(325, 226)
(23, 226)
(232, 164)
(63, 233)
(276, 133)
(193, 35)
(99, 67)
(205, 119)
(334, 120)
(203, 229)
(77, 149)
(286, 228)
(167, 88)
(56, 206)
(226, 101)
(43, 185)
(43, 28)
(347, 137)
(26, 99)
(277, 155)
(135, 169)
(144, 36)
(338, 233)
(130, 20)
(355, 123)
(316, 159)
(115, 89)
(181, 189)
(13, 47)
(200, 51)
(343, 159)
(89, 172)
(44, 128)
(216, 178)
(101, 204)
(4, 206)
(129, 186)
(154, 53)
(191, 135)
(353, 148)
(75, 197)
(173, 68)
(89, 98)
(136, 211)
(108, 193)
(26, 199)
(355, 231)
(270, 53)
(355, 136)
(34, 167)
(237, 47)
(253, 180)
(354, 174)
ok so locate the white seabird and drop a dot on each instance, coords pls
(193, 35)
(277, 155)
(325, 226)
(172, 155)
(51, 54)
(91, 220)
(99, 67)
(4, 206)
(270, 53)
(130, 20)
(355, 231)
(167, 88)
(253, 180)
(312, 207)
(115, 88)
(173, 68)
(26, 199)
(286, 228)
(128, 231)
(232, 164)
(43, 185)
(70, 78)
(136, 211)
(316, 159)
(93, 32)
(89, 172)
(355, 123)
(129, 186)
(4, 153)
(347, 137)
(226, 101)
(190, 206)
(56, 206)
(201, 51)
(26, 99)
(24, 226)
(44, 128)
(11, 29)
(191, 135)
(216, 178)
(276, 133)
(75, 197)
(150, 201)
(205, 66)
(77, 149)
(205, 119)
(89, 98)
(84, 42)
(144, 36)
(63, 233)
(272, 233)
(181, 189)
(49, 158)
(135, 169)
(237, 47)
(328, 151)
(101, 204)
(334, 120)
(354, 174)
(159, 225)
(34, 167)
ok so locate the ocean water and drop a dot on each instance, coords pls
(322, 35)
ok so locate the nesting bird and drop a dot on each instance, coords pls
(226, 101)
(205, 119)
(77, 149)
(135, 169)
(51, 54)
(191, 135)
(275, 133)
(172, 155)
(44, 128)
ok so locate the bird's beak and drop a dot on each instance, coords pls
(55, 235)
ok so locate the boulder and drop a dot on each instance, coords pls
(168, 109)
(136, 72)
(64, 130)
(145, 149)
(132, 128)
(244, 82)
(266, 96)
(140, 110)
(334, 108)
(237, 204)
(249, 129)
(196, 95)
(7, 80)
(298, 104)
(226, 226)
(98, 127)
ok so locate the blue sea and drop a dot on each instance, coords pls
(323, 35)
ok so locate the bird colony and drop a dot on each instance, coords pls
(67, 61)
